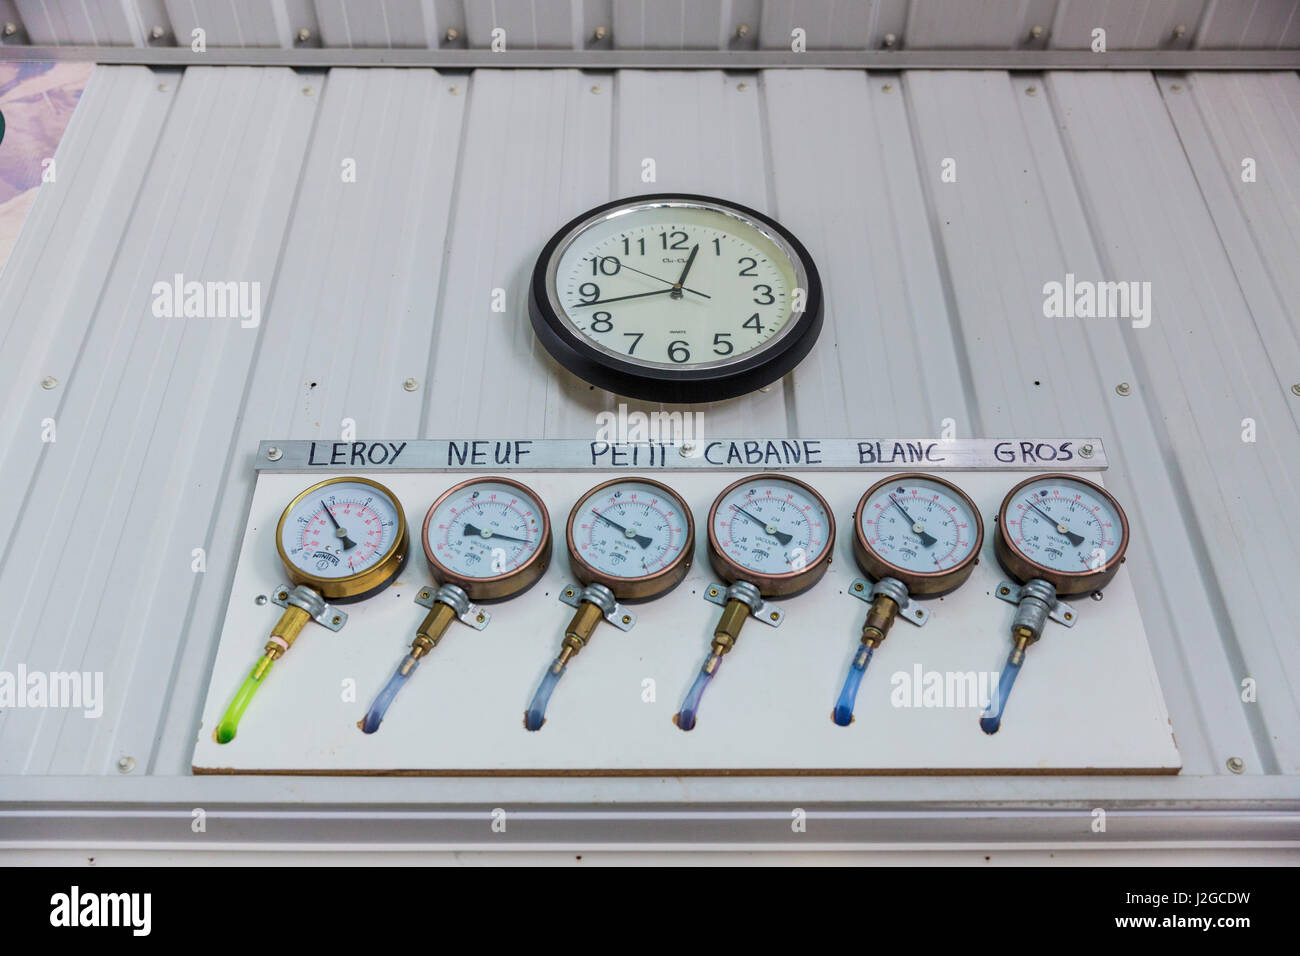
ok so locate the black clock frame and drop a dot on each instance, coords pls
(678, 386)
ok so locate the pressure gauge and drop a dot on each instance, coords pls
(769, 536)
(345, 537)
(676, 298)
(629, 539)
(1056, 535)
(914, 535)
(341, 540)
(486, 539)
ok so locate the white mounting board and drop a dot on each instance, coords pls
(1087, 701)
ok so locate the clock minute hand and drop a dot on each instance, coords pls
(681, 280)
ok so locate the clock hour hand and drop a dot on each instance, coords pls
(620, 298)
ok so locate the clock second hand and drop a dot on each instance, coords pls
(624, 265)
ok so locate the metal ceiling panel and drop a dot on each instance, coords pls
(668, 24)
(934, 311)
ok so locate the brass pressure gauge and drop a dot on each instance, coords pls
(342, 540)
(1057, 535)
(770, 536)
(629, 539)
(485, 539)
(914, 535)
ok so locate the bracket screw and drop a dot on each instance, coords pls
(274, 454)
(1236, 765)
(1086, 451)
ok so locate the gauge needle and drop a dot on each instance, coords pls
(638, 538)
(1061, 527)
(927, 540)
(782, 536)
(348, 543)
(681, 280)
(471, 530)
(624, 265)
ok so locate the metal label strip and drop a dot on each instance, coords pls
(739, 454)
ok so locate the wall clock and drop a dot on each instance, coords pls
(676, 298)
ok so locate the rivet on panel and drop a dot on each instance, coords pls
(1031, 91)
(1086, 451)
(889, 39)
(596, 88)
(1295, 389)
(687, 449)
(304, 35)
(742, 87)
(163, 87)
(274, 454)
(1236, 765)
(454, 90)
(125, 764)
(410, 385)
(156, 33)
(49, 381)
(600, 33)
(260, 600)
(1180, 31)
(452, 35)
(887, 88)
(308, 91)
(1123, 388)
(10, 28)
(742, 31)
(1036, 32)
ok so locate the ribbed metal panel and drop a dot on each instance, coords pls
(669, 24)
(934, 311)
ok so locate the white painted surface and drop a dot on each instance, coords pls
(1088, 699)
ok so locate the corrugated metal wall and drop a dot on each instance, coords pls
(934, 311)
(662, 24)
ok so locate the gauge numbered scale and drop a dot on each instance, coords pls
(341, 540)
(485, 539)
(913, 535)
(770, 536)
(1057, 535)
(676, 298)
(629, 539)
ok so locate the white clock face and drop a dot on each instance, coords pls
(678, 285)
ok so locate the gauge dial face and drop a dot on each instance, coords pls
(771, 527)
(917, 526)
(630, 529)
(1064, 524)
(486, 528)
(340, 530)
(680, 298)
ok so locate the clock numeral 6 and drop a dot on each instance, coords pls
(679, 351)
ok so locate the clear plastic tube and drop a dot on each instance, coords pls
(691, 705)
(375, 716)
(536, 715)
(229, 724)
(992, 719)
(843, 713)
